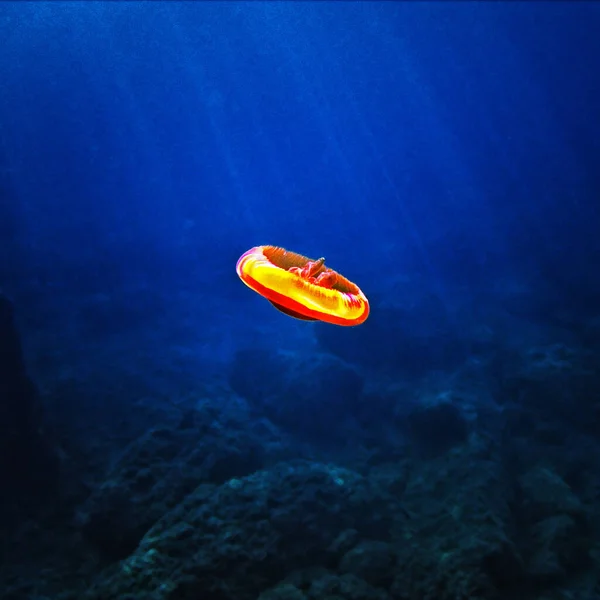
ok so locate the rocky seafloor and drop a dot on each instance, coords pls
(383, 463)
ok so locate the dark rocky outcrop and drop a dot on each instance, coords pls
(157, 471)
(235, 540)
(28, 463)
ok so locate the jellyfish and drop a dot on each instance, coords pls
(301, 287)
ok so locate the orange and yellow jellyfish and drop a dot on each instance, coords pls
(301, 287)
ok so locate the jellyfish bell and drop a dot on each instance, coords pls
(301, 287)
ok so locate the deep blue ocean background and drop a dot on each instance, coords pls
(166, 434)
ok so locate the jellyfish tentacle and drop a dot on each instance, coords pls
(327, 279)
(315, 272)
(313, 268)
(310, 270)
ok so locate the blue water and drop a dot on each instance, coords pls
(445, 157)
